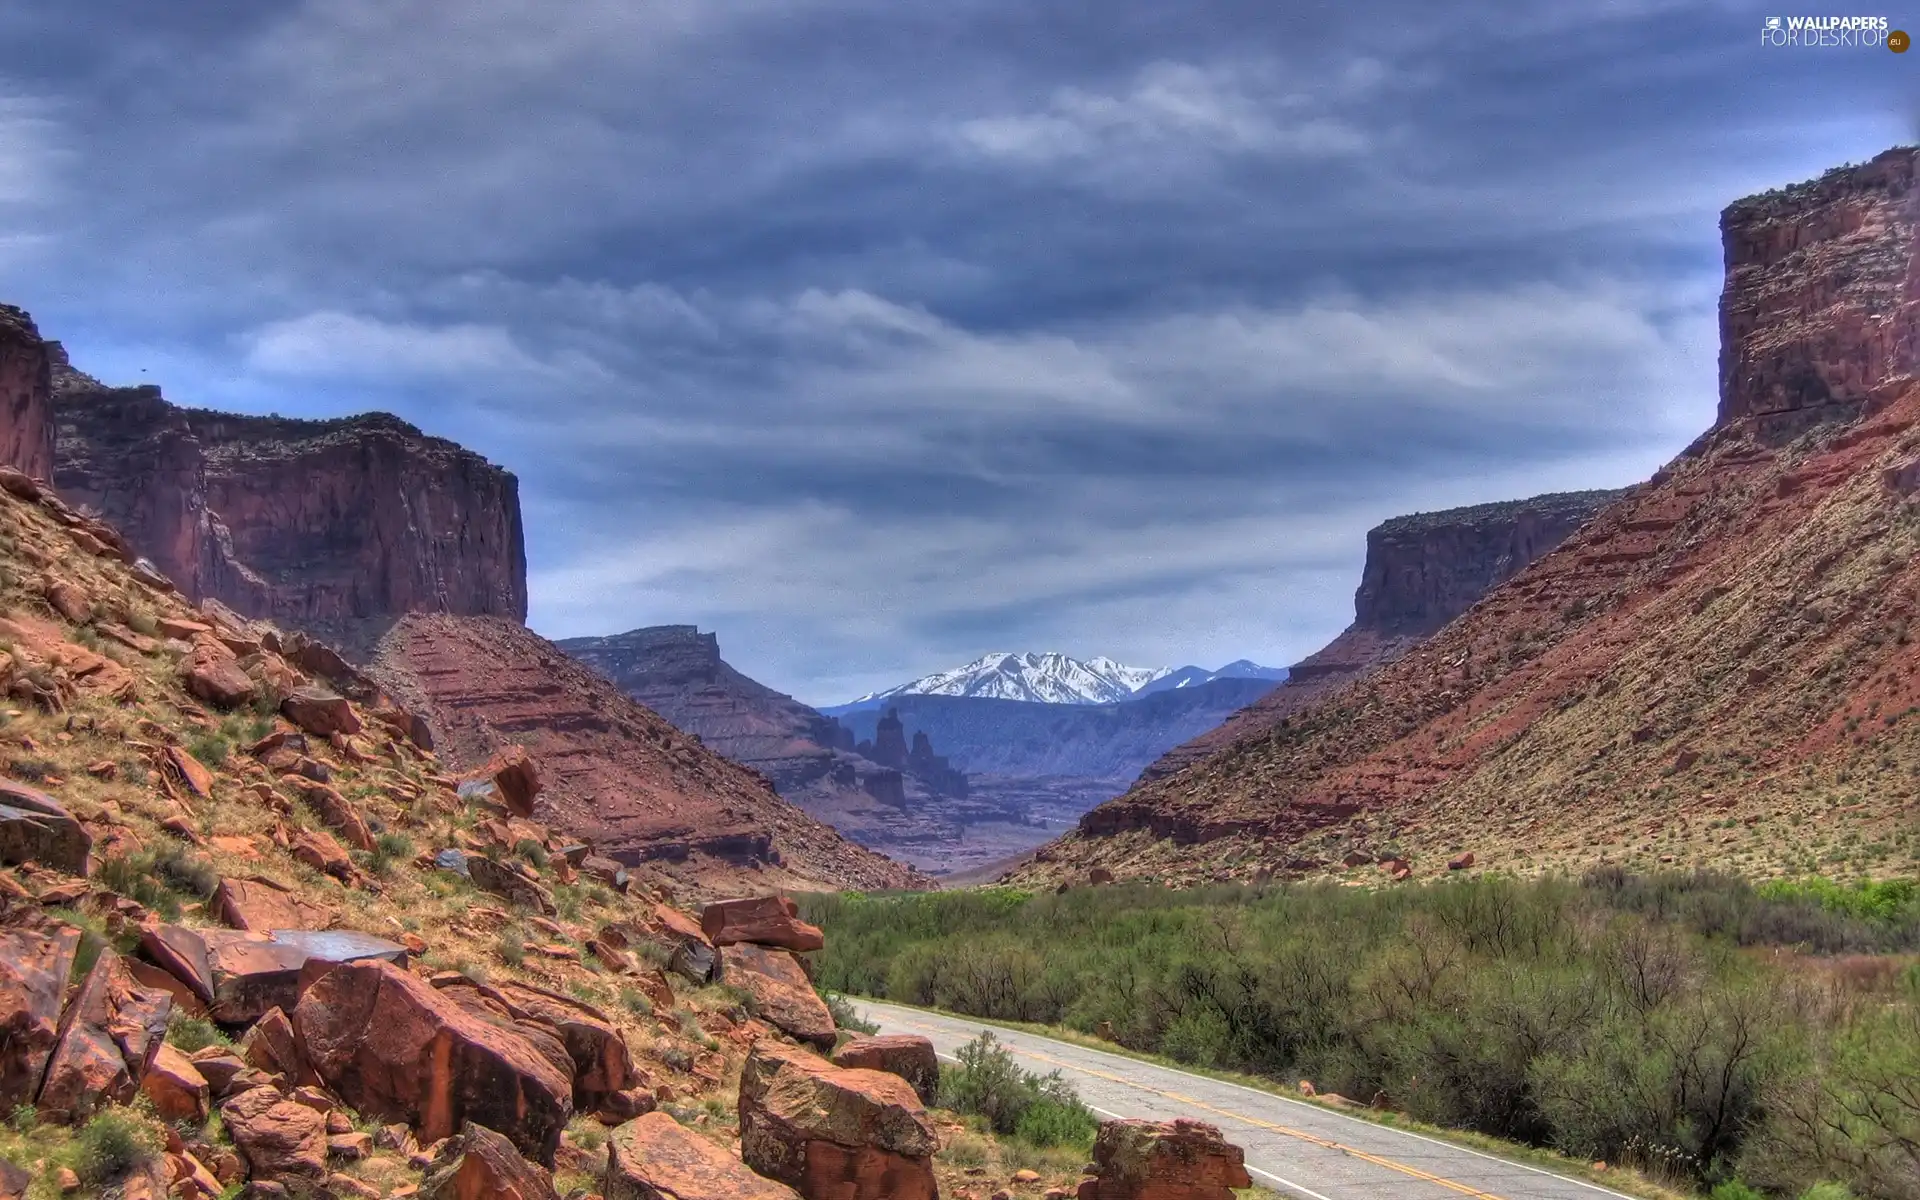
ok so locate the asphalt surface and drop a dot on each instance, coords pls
(1292, 1147)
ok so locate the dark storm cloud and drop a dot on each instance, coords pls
(879, 335)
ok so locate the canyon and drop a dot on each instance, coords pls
(892, 795)
(1717, 670)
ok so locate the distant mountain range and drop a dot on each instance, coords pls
(1053, 678)
(1107, 743)
(1185, 677)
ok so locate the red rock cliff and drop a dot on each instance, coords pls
(328, 525)
(1819, 306)
(26, 407)
(1421, 572)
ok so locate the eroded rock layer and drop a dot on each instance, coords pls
(335, 526)
(26, 406)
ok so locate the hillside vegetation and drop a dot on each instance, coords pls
(1675, 1023)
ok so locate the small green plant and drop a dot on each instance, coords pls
(23, 1118)
(1041, 1110)
(1827, 1191)
(1057, 1121)
(211, 748)
(636, 1002)
(389, 848)
(1733, 1189)
(845, 1016)
(187, 1034)
(533, 852)
(110, 1146)
(512, 948)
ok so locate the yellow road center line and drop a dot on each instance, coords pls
(1300, 1134)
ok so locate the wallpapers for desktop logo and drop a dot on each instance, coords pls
(1868, 33)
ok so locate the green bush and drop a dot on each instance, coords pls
(211, 748)
(845, 1016)
(1613, 1016)
(1733, 1189)
(110, 1146)
(389, 848)
(187, 1034)
(1049, 1122)
(1041, 1110)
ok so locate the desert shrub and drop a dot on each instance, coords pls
(845, 1016)
(211, 748)
(389, 848)
(1055, 1122)
(187, 1033)
(1042, 1110)
(511, 946)
(111, 1145)
(1613, 1015)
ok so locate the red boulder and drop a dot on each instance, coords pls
(393, 1048)
(834, 1133)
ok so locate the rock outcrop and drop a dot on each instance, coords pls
(907, 1055)
(1723, 648)
(611, 770)
(1818, 312)
(480, 1164)
(393, 1047)
(34, 965)
(110, 1032)
(337, 525)
(1170, 1160)
(766, 920)
(757, 939)
(1421, 572)
(657, 1158)
(26, 396)
(831, 1132)
(782, 994)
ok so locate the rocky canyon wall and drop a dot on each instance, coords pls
(1421, 572)
(1818, 308)
(26, 405)
(334, 526)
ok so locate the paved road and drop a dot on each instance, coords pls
(1298, 1149)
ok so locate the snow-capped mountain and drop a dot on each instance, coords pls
(1043, 678)
(1183, 677)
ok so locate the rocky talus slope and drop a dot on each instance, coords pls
(256, 939)
(1421, 571)
(333, 526)
(1718, 670)
(615, 770)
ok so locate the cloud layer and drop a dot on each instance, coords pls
(874, 336)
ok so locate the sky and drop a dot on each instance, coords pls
(876, 336)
